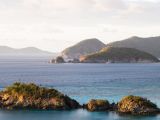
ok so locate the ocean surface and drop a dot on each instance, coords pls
(82, 82)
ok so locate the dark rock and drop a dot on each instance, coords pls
(58, 59)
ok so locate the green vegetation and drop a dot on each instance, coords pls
(120, 55)
(136, 105)
(32, 90)
(149, 45)
(98, 105)
(139, 101)
(84, 47)
(31, 96)
(99, 102)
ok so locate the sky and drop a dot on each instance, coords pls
(56, 24)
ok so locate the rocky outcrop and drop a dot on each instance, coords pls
(97, 105)
(31, 96)
(137, 106)
(58, 59)
(119, 55)
(75, 60)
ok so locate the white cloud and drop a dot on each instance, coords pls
(55, 24)
(108, 5)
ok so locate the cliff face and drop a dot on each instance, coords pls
(31, 96)
(119, 55)
(83, 48)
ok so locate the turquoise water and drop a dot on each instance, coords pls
(68, 115)
(82, 82)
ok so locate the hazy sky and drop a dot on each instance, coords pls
(55, 24)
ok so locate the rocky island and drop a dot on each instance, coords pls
(119, 55)
(97, 105)
(31, 96)
(137, 106)
(132, 105)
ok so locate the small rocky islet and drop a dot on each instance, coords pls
(97, 105)
(28, 96)
(137, 106)
(31, 96)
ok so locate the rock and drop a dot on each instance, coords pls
(75, 60)
(97, 105)
(58, 59)
(31, 96)
(52, 61)
(137, 106)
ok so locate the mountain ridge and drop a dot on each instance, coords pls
(6, 50)
(148, 44)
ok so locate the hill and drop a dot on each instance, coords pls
(28, 51)
(84, 47)
(150, 45)
(119, 55)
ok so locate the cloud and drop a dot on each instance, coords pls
(109, 5)
(77, 12)
(143, 13)
(30, 21)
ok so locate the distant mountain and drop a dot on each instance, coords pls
(84, 47)
(150, 45)
(28, 51)
(119, 55)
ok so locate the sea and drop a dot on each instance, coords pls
(81, 82)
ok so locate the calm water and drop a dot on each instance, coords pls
(82, 82)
